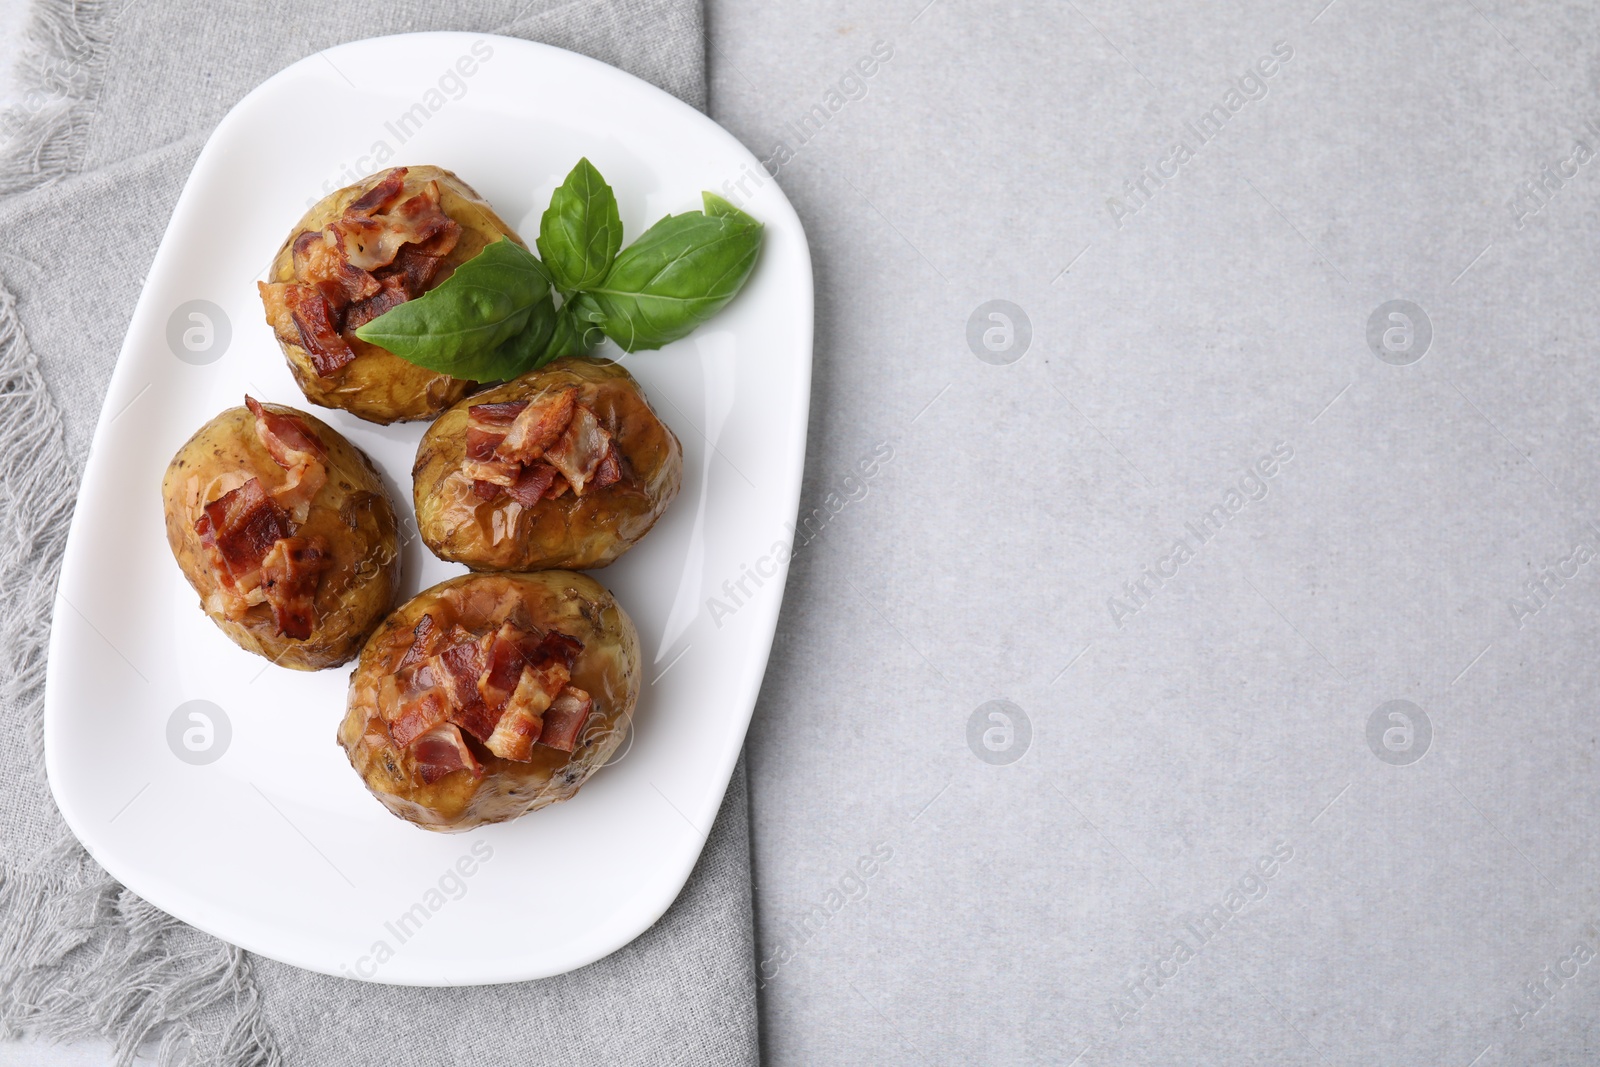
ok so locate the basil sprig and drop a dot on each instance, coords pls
(497, 317)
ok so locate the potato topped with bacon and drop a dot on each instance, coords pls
(491, 695)
(567, 466)
(360, 251)
(284, 529)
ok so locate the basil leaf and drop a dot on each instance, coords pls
(716, 205)
(678, 274)
(580, 231)
(529, 348)
(549, 335)
(455, 327)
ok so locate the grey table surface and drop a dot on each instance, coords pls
(1189, 658)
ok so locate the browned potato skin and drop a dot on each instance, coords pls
(608, 669)
(352, 512)
(572, 532)
(378, 385)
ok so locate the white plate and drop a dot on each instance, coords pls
(275, 845)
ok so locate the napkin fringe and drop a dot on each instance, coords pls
(58, 76)
(95, 960)
(79, 954)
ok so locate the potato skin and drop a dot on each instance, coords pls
(608, 668)
(352, 512)
(572, 532)
(378, 385)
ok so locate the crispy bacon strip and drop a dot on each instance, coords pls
(391, 293)
(297, 450)
(610, 470)
(417, 717)
(514, 736)
(370, 242)
(502, 666)
(487, 425)
(290, 572)
(317, 261)
(414, 268)
(538, 425)
(442, 750)
(319, 333)
(381, 195)
(457, 668)
(581, 449)
(238, 530)
(423, 223)
(546, 669)
(496, 416)
(565, 718)
(532, 484)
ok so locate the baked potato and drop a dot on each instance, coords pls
(491, 695)
(567, 466)
(360, 251)
(284, 529)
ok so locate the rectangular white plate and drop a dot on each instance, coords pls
(275, 845)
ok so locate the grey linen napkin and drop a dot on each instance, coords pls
(122, 105)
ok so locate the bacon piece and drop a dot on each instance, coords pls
(442, 750)
(486, 428)
(475, 718)
(514, 735)
(373, 242)
(610, 470)
(486, 490)
(580, 450)
(274, 300)
(424, 223)
(319, 335)
(239, 529)
(284, 435)
(532, 484)
(457, 668)
(414, 268)
(543, 669)
(290, 572)
(391, 293)
(513, 653)
(564, 719)
(481, 443)
(502, 666)
(538, 425)
(297, 450)
(496, 417)
(417, 717)
(493, 471)
(381, 195)
(317, 261)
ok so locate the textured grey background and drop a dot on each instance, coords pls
(1229, 716)
(1221, 319)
